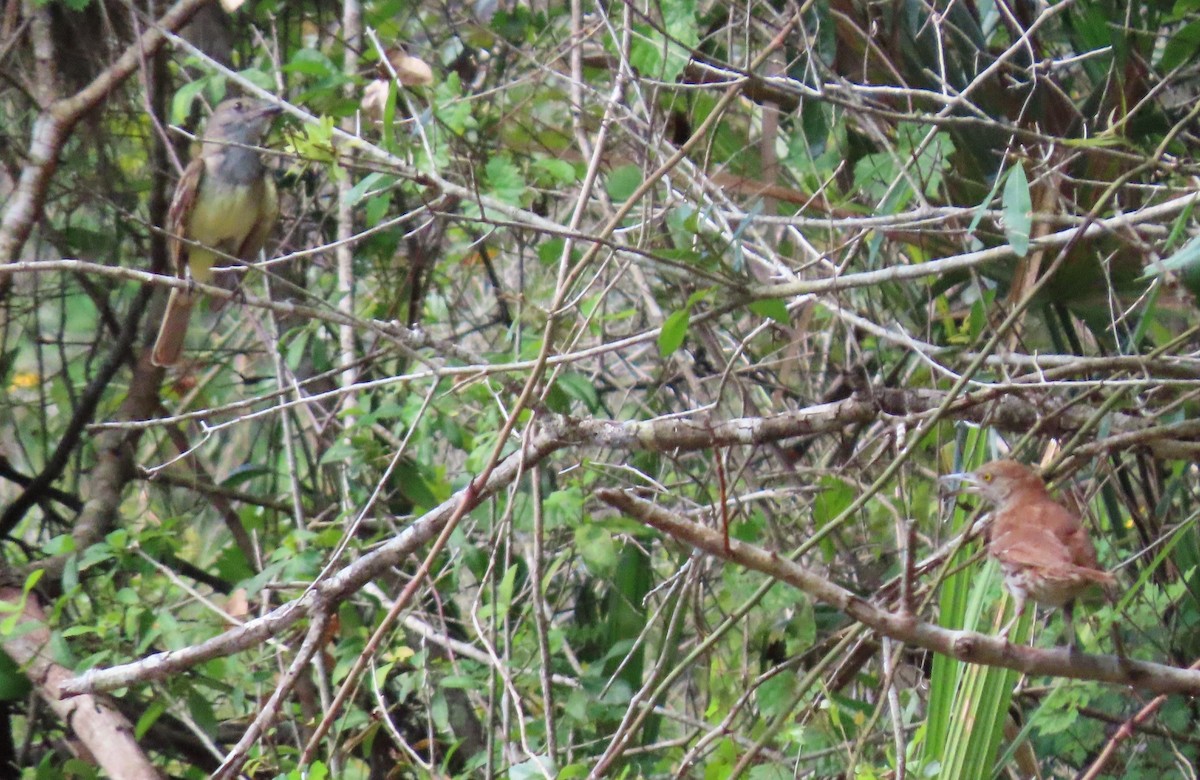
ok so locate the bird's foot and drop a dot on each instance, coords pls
(1004, 632)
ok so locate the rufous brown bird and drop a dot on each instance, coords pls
(1042, 547)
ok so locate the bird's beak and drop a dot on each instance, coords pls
(961, 482)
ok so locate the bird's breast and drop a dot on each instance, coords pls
(224, 214)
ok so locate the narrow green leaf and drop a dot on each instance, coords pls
(155, 708)
(504, 593)
(1018, 210)
(372, 181)
(1183, 259)
(674, 330)
(389, 118)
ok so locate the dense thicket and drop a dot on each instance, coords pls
(574, 309)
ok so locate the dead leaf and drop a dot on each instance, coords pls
(375, 98)
(238, 605)
(411, 71)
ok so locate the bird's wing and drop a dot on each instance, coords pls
(1043, 550)
(1054, 526)
(1069, 529)
(1031, 546)
(267, 217)
(180, 211)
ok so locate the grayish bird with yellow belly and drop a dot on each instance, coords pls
(225, 205)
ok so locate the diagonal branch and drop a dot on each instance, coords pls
(964, 645)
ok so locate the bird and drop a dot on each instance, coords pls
(224, 205)
(1042, 547)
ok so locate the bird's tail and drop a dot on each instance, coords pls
(173, 331)
(1105, 580)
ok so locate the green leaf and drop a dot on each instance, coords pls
(835, 496)
(504, 593)
(449, 106)
(564, 507)
(549, 252)
(147, 719)
(646, 51)
(701, 295)
(14, 685)
(413, 485)
(1185, 258)
(579, 387)
(623, 182)
(59, 545)
(933, 161)
(679, 20)
(32, 580)
(810, 139)
(314, 142)
(504, 180)
(389, 118)
(773, 308)
(557, 400)
(535, 767)
(266, 81)
(181, 102)
(1181, 47)
(595, 544)
(555, 171)
(370, 182)
(873, 175)
(342, 451)
(376, 209)
(674, 330)
(775, 693)
(1018, 208)
(313, 63)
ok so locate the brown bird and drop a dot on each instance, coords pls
(1042, 547)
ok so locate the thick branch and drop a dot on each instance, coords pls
(103, 730)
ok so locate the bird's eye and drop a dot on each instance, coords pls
(239, 105)
(987, 477)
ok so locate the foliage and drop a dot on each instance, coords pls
(932, 233)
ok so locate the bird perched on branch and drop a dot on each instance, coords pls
(224, 205)
(1042, 547)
